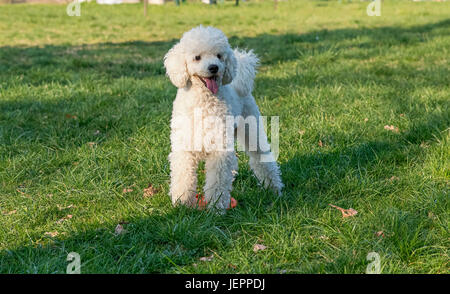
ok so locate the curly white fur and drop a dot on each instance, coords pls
(188, 65)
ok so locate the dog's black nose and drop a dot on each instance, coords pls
(213, 68)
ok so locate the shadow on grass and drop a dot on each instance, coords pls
(152, 244)
(164, 242)
(140, 59)
(168, 241)
(109, 74)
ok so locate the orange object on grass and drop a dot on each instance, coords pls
(202, 202)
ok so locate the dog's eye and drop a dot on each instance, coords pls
(219, 56)
(197, 57)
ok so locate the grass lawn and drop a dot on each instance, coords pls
(84, 129)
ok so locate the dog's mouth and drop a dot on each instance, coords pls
(210, 83)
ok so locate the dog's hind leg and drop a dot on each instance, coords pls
(220, 167)
(267, 172)
(183, 178)
(262, 161)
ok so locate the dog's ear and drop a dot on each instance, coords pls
(176, 68)
(230, 67)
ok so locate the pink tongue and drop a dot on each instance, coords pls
(212, 85)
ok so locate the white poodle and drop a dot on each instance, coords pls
(214, 83)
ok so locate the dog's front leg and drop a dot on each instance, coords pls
(219, 179)
(183, 177)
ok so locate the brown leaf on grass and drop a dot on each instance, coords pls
(394, 178)
(69, 216)
(91, 144)
(150, 191)
(66, 207)
(51, 234)
(391, 128)
(207, 258)
(9, 212)
(259, 247)
(127, 190)
(232, 266)
(301, 132)
(70, 116)
(320, 143)
(345, 212)
(21, 192)
(424, 145)
(379, 234)
(119, 229)
(431, 215)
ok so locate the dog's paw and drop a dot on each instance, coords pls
(278, 190)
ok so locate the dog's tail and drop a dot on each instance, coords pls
(247, 63)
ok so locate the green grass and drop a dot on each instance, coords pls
(328, 70)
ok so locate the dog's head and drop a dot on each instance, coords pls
(203, 53)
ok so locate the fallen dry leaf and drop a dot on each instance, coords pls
(259, 247)
(51, 234)
(232, 266)
(394, 178)
(91, 144)
(379, 234)
(69, 216)
(127, 190)
(9, 212)
(301, 132)
(21, 192)
(391, 128)
(424, 145)
(207, 258)
(320, 143)
(345, 212)
(431, 215)
(67, 207)
(119, 229)
(69, 116)
(150, 191)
